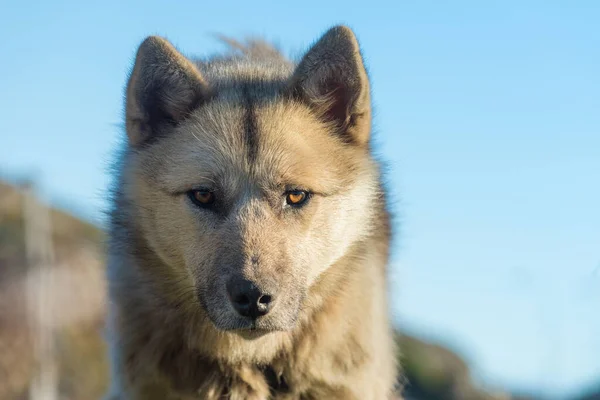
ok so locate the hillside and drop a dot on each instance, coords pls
(432, 372)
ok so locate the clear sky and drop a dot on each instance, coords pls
(488, 113)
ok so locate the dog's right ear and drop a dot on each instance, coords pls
(163, 88)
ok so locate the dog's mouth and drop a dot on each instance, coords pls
(243, 326)
(252, 333)
(251, 329)
(256, 327)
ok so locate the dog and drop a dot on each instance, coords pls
(249, 229)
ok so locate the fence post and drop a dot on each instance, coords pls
(40, 263)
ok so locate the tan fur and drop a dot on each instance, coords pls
(250, 127)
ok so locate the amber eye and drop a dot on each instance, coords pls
(296, 197)
(202, 197)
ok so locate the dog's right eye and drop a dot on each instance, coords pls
(203, 198)
(297, 198)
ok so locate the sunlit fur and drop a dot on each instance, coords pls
(249, 126)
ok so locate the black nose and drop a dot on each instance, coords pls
(247, 299)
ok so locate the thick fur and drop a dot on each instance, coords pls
(250, 126)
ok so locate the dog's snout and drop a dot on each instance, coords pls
(247, 299)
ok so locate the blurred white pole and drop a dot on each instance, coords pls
(40, 259)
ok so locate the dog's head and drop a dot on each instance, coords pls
(252, 176)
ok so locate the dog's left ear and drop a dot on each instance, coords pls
(332, 79)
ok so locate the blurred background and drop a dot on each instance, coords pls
(487, 114)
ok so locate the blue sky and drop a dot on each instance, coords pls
(487, 112)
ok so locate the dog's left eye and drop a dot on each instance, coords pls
(296, 198)
(202, 197)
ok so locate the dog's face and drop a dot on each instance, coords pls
(253, 187)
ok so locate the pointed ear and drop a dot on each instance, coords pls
(332, 79)
(163, 88)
